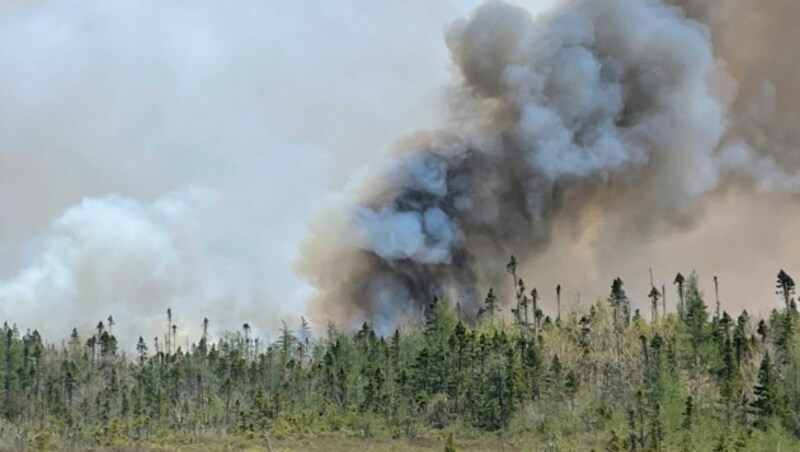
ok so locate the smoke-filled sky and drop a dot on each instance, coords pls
(252, 161)
(600, 138)
(157, 154)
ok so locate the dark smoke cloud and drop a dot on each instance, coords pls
(598, 109)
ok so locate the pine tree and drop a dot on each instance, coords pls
(619, 303)
(489, 305)
(654, 296)
(620, 311)
(511, 267)
(169, 328)
(286, 342)
(785, 288)
(523, 314)
(729, 378)
(785, 335)
(766, 399)
(679, 281)
(558, 304)
(450, 445)
(141, 348)
(740, 343)
(763, 330)
(696, 315)
(537, 313)
(688, 413)
(203, 348)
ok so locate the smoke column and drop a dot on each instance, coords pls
(165, 154)
(156, 154)
(598, 126)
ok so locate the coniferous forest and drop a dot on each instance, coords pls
(605, 377)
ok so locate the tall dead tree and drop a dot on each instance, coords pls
(523, 302)
(536, 312)
(169, 328)
(511, 267)
(654, 296)
(558, 303)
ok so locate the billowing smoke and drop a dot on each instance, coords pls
(160, 154)
(155, 154)
(617, 120)
(116, 256)
(756, 44)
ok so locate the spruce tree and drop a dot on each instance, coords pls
(489, 305)
(679, 281)
(688, 413)
(766, 399)
(785, 288)
(696, 315)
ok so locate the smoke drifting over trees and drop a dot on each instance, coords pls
(156, 155)
(621, 111)
(160, 154)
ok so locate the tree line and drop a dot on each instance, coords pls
(600, 377)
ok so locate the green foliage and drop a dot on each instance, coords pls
(594, 380)
(766, 402)
(450, 444)
(786, 288)
(696, 315)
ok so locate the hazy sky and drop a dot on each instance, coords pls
(168, 153)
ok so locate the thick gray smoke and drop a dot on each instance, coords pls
(166, 154)
(159, 154)
(615, 114)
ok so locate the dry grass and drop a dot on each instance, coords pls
(487, 443)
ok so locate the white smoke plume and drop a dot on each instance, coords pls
(614, 122)
(156, 154)
(161, 154)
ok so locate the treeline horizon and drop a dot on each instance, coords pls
(528, 308)
(603, 376)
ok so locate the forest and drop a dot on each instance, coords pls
(603, 377)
